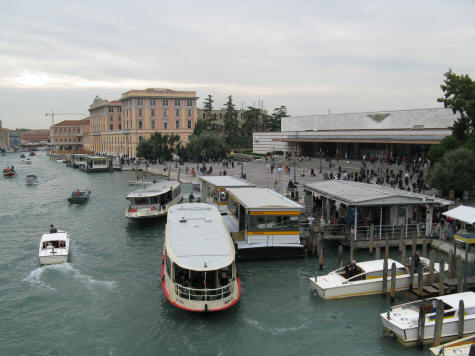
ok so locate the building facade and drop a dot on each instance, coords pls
(35, 136)
(68, 135)
(388, 134)
(118, 126)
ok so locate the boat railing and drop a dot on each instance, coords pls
(203, 294)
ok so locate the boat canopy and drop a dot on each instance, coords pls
(60, 235)
(263, 198)
(197, 238)
(226, 181)
(377, 265)
(462, 213)
(153, 190)
(453, 299)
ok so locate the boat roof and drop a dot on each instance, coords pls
(363, 194)
(60, 235)
(453, 299)
(226, 181)
(377, 265)
(153, 189)
(196, 237)
(463, 213)
(263, 198)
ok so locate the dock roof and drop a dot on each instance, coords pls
(263, 198)
(364, 194)
(226, 181)
(196, 237)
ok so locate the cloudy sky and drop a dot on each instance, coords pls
(347, 56)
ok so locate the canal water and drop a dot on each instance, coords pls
(108, 299)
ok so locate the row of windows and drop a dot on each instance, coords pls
(111, 109)
(140, 112)
(153, 124)
(153, 102)
(66, 130)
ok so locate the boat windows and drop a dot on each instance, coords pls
(54, 244)
(225, 275)
(260, 222)
(233, 207)
(168, 265)
(141, 201)
(153, 200)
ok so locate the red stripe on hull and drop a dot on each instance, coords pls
(167, 295)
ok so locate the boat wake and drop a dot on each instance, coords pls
(39, 277)
(273, 330)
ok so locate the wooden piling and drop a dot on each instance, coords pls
(320, 257)
(431, 266)
(385, 277)
(386, 247)
(403, 254)
(377, 254)
(352, 247)
(401, 240)
(340, 256)
(439, 320)
(420, 279)
(411, 273)
(414, 245)
(371, 235)
(393, 282)
(424, 247)
(421, 325)
(460, 282)
(461, 322)
(451, 264)
(441, 276)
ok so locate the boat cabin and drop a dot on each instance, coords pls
(98, 164)
(213, 189)
(264, 223)
(79, 160)
(153, 199)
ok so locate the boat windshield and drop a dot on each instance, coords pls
(54, 244)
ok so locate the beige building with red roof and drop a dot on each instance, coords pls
(69, 135)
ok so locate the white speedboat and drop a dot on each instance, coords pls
(368, 279)
(154, 200)
(198, 261)
(25, 161)
(60, 160)
(54, 248)
(31, 179)
(402, 320)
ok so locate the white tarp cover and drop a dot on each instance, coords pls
(462, 213)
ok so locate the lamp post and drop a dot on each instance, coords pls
(320, 155)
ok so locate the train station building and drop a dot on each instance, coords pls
(385, 134)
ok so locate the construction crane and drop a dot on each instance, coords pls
(52, 114)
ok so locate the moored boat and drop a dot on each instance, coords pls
(31, 179)
(459, 347)
(402, 320)
(79, 196)
(54, 248)
(9, 172)
(198, 261)
(153, 200)
(366, 280)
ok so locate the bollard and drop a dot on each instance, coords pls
(431, 266)
(377, 254)
(340, 256)
(385, 277)
(393, 282)
(420, 279)
(439, 320)
(461, 322)
(451, 264)
(421, 324)
(441, 276)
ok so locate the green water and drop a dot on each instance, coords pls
(108, 299)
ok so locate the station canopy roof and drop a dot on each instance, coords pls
(364, 194)
(263, 198)
(462, 213)
(226, 181)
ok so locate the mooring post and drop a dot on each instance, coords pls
(414, 245)
(451, 264)
(371, 240)
(460, 281)
(424, 247)
(431, 266)
(385, 277)
(320, 257)
(377, 254)
(439, 319)
(420, 279)
(461, 319)
(352, 252)
(340, 256)
(401, 240)
(403, 254)
(421, 325)
(393, 282)
(386, 247)
(441, 276)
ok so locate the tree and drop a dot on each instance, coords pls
(449, 143)
(210, 117)
(231, 124)
(272, 122)
(455, 171)
(201, 126)
(253, 119)
(205, 146)
(158, 146)
(459, 95)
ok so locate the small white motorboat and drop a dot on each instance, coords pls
(402, 320)
(31, 179)
(54, 248)
(367, 280)
(459, 347)
(25, 161)
(60, 160)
